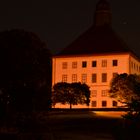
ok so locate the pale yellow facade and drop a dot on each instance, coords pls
(96, 71)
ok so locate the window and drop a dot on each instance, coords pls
(115, 62)
(84, 64)
(104, 77)
(115, 74)
(114, 104)
(104, 93)
(74, 65)
(94, 78)
(84, 78)
(74, 77)
(94, 63)
(93, 103)
(104, 63)
(104, 103)
(64, 78)
(132, 65)
(94, 93)
(64, 65)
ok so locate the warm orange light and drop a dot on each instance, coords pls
(70, 67)
(109, 114)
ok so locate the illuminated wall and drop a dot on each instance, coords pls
(96, 71)
(134, 65)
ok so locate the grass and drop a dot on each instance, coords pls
(76, 125)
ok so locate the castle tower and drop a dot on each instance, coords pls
(102, 14)
(94, 58)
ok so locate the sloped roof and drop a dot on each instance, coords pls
(95, 41)
(100, 38)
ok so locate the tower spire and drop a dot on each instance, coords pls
(103, 14)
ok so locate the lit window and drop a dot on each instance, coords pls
(74, 65)
(104, 63)
(94, 93)
(114, 104)
(115, 63)
(94, 63)
(64, 65)
(74, 78)
(84, 78)
(104, 103)
(64, 78)
(104, 77)
(94, 78)
(84, 64)
(104, 93)
(94, 103)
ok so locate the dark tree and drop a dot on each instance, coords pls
(71, 93)
(25, 73)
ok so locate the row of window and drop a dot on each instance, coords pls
(135, 66)
(104, 93)
(93, 64)
(94, 77)
(84, 77)
(103, 103)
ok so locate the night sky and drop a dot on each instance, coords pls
(59, 22)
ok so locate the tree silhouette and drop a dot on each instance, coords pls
(126, 89)
(71, 93)
(25, 70)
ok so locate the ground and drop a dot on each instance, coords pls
(78, 125)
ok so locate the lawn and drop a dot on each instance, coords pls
(77, 125)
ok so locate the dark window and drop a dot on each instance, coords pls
(134, 66)
(104, 93)
(115, 62)
(64, 65)
(93, 103)
(94, 63)
(94, 78)
(84, 64)
(74, 65)
(74, 78)
(104, 63)
(114, 103)
(104, 77)
(115, 74)
(64, 78)
(84, 78)
(104, 103)
(94, 93)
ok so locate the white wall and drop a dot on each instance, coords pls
(123, 67)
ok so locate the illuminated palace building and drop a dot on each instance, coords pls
(94, 58)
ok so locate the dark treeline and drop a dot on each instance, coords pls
(25, 73)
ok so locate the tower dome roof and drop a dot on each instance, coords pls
(103, 5)
(100, 38)
(103, 14)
